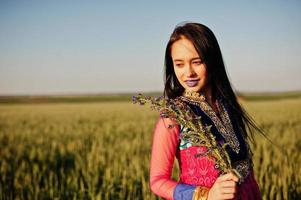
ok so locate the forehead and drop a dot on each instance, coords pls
(183, 49)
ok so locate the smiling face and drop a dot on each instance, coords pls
(190, 70)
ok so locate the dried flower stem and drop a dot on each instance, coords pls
(197, 134)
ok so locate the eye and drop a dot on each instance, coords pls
(179, 65)
(197, 62)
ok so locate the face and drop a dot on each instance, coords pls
(189, 68)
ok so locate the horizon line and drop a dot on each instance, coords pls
(129, 92)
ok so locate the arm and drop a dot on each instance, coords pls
(164, 147)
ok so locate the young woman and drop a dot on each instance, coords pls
(195, 74)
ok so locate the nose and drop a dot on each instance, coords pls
(189, 70)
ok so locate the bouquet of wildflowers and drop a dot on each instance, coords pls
(198, 134)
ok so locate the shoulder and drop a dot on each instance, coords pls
(167, 124)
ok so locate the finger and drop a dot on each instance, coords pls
(229, 191)
(228, 184)
(228, 196)
(228, 176)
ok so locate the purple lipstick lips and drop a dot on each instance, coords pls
(191, 83)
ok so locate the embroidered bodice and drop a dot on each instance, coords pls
(203, 170)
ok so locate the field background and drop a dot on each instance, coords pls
(98, 147)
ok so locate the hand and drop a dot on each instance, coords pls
(224, 187)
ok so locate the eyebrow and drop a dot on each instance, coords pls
(196, 58)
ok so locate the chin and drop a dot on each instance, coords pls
(192, 89)
(195, 89)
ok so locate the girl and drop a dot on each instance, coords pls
(195, 74)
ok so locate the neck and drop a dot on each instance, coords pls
(208, 94)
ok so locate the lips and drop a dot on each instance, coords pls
(192, 83)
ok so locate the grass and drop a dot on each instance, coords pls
(101, 150)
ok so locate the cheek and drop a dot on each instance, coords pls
(202, 72)
(205, 76)
(178, 73)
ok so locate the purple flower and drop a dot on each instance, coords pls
(221, 142)
(159, 98)
(134, 99)
(168, 104)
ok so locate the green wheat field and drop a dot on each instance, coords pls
(101, 150)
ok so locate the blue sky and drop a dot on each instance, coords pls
(70, 47)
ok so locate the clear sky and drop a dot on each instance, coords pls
(63, 47)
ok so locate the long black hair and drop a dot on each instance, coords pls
(209, 52)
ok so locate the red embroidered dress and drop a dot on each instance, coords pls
(196, 168)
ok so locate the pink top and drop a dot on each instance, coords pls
(164, 149)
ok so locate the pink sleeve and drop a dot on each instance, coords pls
(164, 147)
